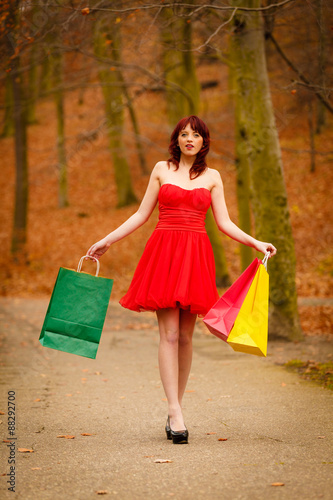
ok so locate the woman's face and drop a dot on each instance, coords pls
(190, 142)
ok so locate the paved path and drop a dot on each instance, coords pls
(278, 427)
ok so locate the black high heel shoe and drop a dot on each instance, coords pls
(178, 437)
(168, 429)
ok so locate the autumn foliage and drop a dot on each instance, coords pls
(60, 236)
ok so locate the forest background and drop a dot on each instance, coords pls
(90, 91)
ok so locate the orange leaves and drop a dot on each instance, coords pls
(277, 484)
(162, 461)
(25, 450)
(85, 11)
(69, 436)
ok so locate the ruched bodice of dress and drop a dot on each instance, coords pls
(183, 209)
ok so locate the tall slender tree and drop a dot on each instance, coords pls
(13, 55)
(8, 126)
(107, 46)
(179, 68)
(241, 160)
(57, 64)
(268, 193)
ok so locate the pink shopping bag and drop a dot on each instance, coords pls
(221, 317)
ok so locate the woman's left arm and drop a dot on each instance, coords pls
(225, 224)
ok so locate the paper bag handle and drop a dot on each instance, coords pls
(88, 257)
(265, 259)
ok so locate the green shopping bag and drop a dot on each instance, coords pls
(75, 317)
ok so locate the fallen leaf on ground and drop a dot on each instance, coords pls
(25, 450)
(277, 484)
(321, 437)
(222, 439)
(85, 369)
(65, 436)
(86, 434)
(35, 400)
(36, 468)
(102, 492)
(68, 395)
(162, 461)
(209, 433)
(283, 384)
(6, 441)
(2, 413)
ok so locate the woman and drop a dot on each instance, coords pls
(176, 273)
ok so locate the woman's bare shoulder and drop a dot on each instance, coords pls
(160, 169)
(214, 177)
(161, 166)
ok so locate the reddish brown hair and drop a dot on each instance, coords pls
(199, 165)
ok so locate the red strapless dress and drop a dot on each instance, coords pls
(177, 267)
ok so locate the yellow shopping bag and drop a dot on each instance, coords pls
(250, 331)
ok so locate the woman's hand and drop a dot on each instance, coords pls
(266, 247)
(99, 248)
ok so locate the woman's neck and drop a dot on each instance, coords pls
(186, 162)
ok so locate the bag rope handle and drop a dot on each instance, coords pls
(265, 259)
(88, 257)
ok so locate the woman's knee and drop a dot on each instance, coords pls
(185, 337)
(170, 335)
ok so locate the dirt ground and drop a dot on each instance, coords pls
(256, 431)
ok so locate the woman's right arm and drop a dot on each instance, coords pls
(135, 221)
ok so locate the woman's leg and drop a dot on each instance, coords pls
(186, 328)
(168, 322)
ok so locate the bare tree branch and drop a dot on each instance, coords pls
(303, 78)
(206, 43)
(173, 4)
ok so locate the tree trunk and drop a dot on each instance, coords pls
(179, 68)
(322, 59)
(9, 126)
(19, 236)
(221, 267)
(107, 44)
(135, 125)
(259, 138)
(32, 87)
(57, 64)
(311, 137)
(242, 163)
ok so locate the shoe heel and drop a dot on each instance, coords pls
(168, 429)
